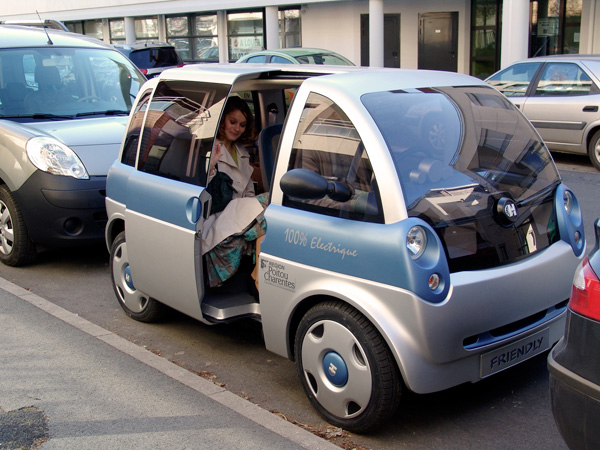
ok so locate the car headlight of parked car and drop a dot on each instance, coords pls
(52, 156)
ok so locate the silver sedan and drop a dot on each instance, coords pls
(560, 95)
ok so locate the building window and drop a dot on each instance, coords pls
(117, 30)
(555, 27)
(87, 27)
(245, 33)
(289, 28)
(146, 28)
(485, 37)
(194, 37)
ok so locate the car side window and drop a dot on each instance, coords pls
(179, 130)
(280, 60)
(327, 143)
(132, 137)
(563, 79)
(514, 81)
(257, 59)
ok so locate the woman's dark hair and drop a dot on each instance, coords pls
(240, 104)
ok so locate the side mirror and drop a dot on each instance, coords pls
(305, 184)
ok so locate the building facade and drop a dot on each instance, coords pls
(476, 37)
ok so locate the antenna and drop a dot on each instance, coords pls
(44, 27)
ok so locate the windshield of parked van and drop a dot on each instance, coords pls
(66, 82)
(450, 139)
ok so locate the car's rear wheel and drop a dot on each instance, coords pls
(136, 304)
(594, 150)
(346, 368)
(16, 248)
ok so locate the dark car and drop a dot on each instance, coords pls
(151, 57)
(574, 363)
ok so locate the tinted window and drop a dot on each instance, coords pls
(514, 81)
(133, 133)
(155, 57)
(179, 130)
(327, 143)
(459, 138)
(563, 79)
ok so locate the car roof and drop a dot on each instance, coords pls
(562, 57)
(296, 51)
(358, 80)
(142, 45)
(17, 36)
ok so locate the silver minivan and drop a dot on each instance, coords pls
(64, 103)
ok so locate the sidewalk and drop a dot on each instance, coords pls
(99, 391)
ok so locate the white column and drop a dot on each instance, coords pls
(105, 31)
(515, 31)
(222, 36)
(129, 30)
(162, 28)
(376, 33)
(272, 27)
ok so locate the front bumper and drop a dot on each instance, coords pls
(62, 211)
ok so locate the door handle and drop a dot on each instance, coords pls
(590, 108)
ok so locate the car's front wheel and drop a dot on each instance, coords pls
(594, 150)
(16, 248)
(346, 368)
(136, 304)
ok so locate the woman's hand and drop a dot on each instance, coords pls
(215, 159)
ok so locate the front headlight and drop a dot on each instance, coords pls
(52, 156)
(416, 241)
(568, 201)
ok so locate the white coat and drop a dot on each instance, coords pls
(244, 207)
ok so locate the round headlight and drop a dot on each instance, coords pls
(416, 241)
(568, 201)
(52, 156)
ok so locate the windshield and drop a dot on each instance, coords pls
(57, 81)
(445, 141)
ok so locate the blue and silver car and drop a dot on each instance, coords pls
(418, 234)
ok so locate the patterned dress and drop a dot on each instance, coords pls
(223, 261)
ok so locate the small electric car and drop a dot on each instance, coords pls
(418, 235)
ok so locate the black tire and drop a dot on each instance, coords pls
(362, 385)
(594, 150)
(136, 304)
(16, 248)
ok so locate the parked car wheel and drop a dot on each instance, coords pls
(345, 367)
(16, 248)
(594, 149)
(136, 304)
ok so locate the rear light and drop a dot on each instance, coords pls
(144, 71)
(181, 65)
(585, 294)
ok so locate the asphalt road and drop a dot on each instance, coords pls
(509, 410)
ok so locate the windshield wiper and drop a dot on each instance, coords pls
(109, 112)
(35, 116)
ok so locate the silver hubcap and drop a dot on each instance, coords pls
(597, 151)
(353, 397)
(7, 233)
(133, 299)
